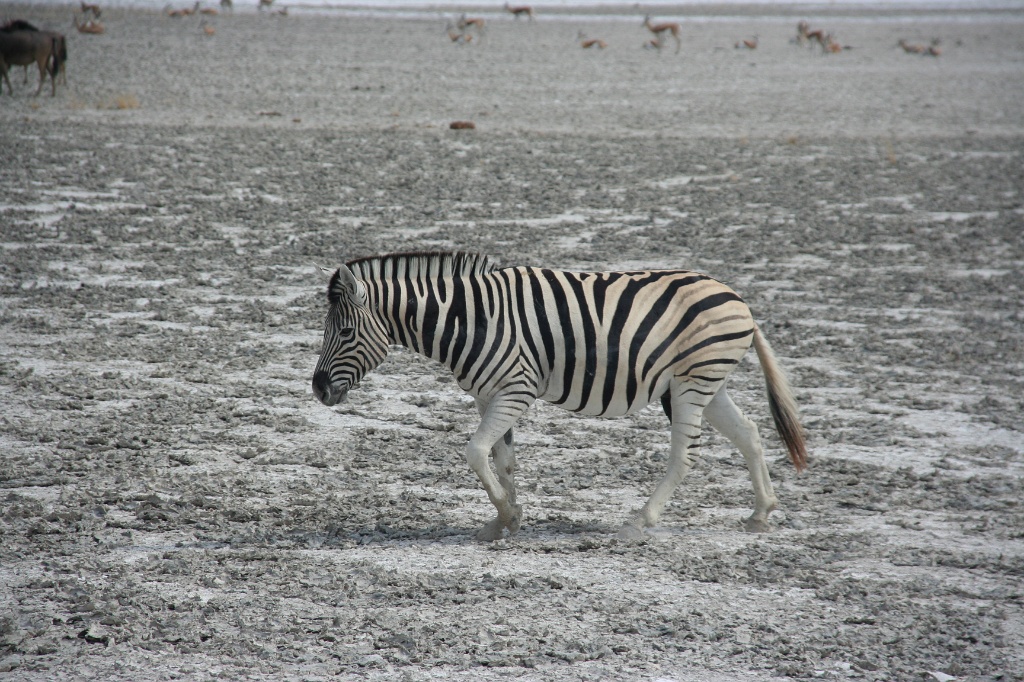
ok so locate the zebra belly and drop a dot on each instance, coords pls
(614, 408)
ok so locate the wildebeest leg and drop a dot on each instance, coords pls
(3, 73)
(687, 404)
(724, 416)
(498, 416)
(42, 62)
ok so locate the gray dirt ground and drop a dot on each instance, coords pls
(175, 503)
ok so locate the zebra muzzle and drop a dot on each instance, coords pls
(326, 392)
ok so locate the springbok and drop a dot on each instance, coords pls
(910, 48)
(802, 29)
(91, 8)
(819, 36)
(207, 29)
(458, 36)
(665, 27)
(932, 50)
(520, 10)
(91, 26)
(748, 43)
(587, 43)
(23, 45)
(464, 23)
(209, 11)
(183, 12)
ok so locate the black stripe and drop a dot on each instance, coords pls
(623, 306)
(543, 320)
(397, 301)
(564, 316)
(454, 324)
(524, 320)
(590, 358)
(430, 312)
(479, 330)
(509, 340)
(490, 361)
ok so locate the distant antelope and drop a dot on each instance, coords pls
(283, 12)
(520, 10)
(750, 44)
(458, 36)
(265, 3)
(911, 49)
(183, 12)
(932, 50)
(802, 29)
(207, 29)
(819, 36)
(464, 23)
(90, 26)
(659, 29)
(209, 11)
(93, 8)
(587, 43)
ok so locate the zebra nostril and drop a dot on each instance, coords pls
(321, 381)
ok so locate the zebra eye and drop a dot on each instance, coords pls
(347, 332)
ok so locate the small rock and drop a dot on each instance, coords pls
(372, 661)
(12, 663)
(95, 634)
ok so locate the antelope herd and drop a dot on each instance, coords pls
(22, 44)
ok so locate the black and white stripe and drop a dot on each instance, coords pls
(595, 343)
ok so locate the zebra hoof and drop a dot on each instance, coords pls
(516, 521)
(754, 525)
(491, 532)
(630, 532)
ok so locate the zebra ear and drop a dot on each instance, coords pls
(345, 285)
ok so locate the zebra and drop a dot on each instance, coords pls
(595, 343)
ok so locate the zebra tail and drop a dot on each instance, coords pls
(781, 403)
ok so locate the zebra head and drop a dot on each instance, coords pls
(355, 341)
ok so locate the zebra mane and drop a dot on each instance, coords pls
(419, 263)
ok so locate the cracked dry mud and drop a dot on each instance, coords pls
(174, 502)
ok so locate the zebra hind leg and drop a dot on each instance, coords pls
(728, 420)
(686, 422)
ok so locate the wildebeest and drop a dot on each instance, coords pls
(22, 44)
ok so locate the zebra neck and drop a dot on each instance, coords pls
(428, 316)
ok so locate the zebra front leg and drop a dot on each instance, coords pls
(723, 414)
(495, 433)
(685, 450)
(505, 466)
